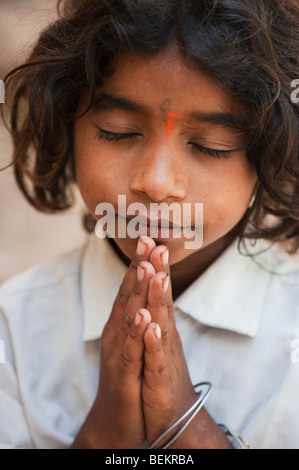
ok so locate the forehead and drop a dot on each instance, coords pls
(167, 82)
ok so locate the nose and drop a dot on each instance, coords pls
(159, 174)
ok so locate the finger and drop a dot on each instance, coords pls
(132, 356)
(144, 248)
(159, 258)
(138, 299)
(155, 366)
(157, 300)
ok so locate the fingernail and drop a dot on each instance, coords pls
(140, 273)
(141, 247)
(164, 257)
(157, 331)
(165, 283)
(138, 318)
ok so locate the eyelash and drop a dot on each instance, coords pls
(212, 153)
(111, 137)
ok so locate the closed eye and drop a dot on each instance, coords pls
(211, 152)
(111, 136)
(114, 137)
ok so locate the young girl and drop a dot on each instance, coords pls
(129, 342)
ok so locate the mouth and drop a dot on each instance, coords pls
(158, 223)
(157, 229)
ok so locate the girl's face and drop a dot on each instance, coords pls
(163, 132)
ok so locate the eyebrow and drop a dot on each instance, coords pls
(106, 102)
(228, 120)
(231, 121)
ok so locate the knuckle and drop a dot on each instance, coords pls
(126, 323)
(165, 334)
(136, 290)
(135, 262)
(126, 359)
(162, 368)
(133, 335)
(169, 305)
(123, 296)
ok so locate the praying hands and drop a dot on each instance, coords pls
(144, 384)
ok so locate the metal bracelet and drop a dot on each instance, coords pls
(195, 408)
(236, 438)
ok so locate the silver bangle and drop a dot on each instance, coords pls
(195, 408)
(237, 440)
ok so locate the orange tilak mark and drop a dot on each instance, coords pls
(171, 118)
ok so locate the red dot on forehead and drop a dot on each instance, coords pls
(171, 118)
(172, 115)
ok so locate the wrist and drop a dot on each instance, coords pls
(202, 433)
(91, 434)
(89, 438)
(195, 429)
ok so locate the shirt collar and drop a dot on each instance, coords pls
(230, 294)
(221, 297)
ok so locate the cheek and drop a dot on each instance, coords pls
(96, 173)
(88, 178)
(226, 195)
(95, 186)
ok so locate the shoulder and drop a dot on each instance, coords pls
(282, 271)
(275, 261)
(280, 301)
(46, 277)
(40, 307)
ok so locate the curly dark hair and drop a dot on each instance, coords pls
(250, 47)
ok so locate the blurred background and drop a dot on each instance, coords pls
(27, 236)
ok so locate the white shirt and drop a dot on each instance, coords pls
(237, 322)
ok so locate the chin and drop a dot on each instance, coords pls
(176, 256)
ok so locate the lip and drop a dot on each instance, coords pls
(158, 229)
(158, 223)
